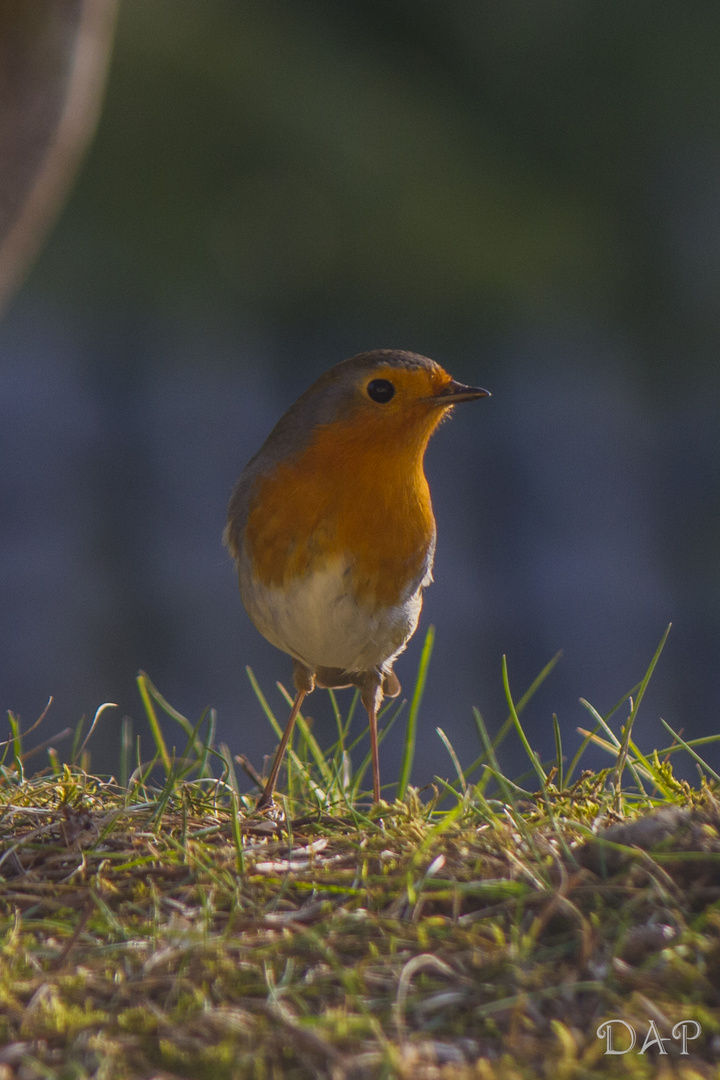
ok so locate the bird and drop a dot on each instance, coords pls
(332, 529)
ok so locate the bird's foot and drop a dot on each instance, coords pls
(267, 806)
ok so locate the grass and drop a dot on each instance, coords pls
(485, 928)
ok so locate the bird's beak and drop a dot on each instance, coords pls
(454, 391)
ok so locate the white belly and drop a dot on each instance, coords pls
(319, 622)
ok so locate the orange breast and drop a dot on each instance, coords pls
(352, 492)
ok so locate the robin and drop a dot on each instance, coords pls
(332, 527)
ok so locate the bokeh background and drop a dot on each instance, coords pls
(528, 193)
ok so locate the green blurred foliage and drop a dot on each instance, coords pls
(460, 162)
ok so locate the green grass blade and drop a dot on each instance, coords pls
(558, 752)
(351, 712)
(615, 747)
(77, 736)
(579, 753)
(627, 729)
(411, 730)
(691, 752)
(16, 743)
(494, 767)
(667, 750)
(264, 702)
(337, 750)
(535, 760)
(227, 759)
(508, 723)
(237, 833)
(166, 706)
(144, 686)
(454, 758)
(204, 769)
(190, 730)
(537, 683)
(519, 728)
(126, 748)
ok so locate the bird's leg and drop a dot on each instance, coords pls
(304, 684)
(371, 695)
(266, 799)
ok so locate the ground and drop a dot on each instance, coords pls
(160, 928)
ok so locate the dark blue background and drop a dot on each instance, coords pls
(530, 197)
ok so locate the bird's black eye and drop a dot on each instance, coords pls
(380, 390)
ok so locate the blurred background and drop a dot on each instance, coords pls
(530, 194)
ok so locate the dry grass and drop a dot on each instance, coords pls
(160, 929)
